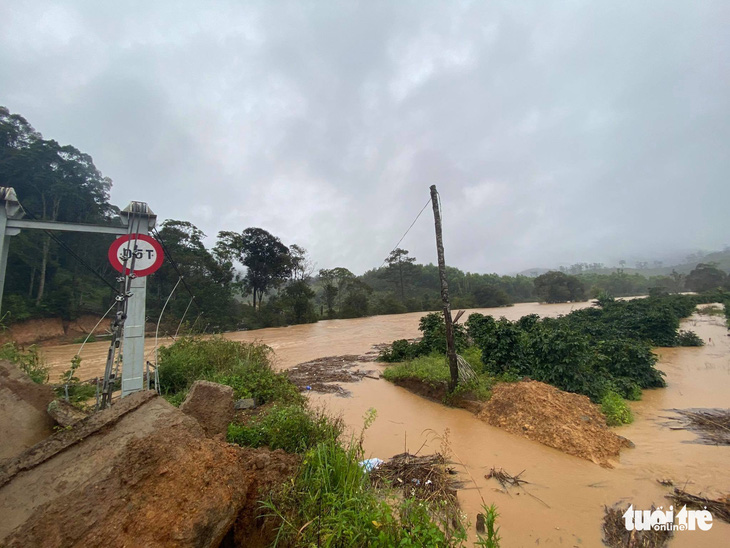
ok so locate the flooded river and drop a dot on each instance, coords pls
(566, 495)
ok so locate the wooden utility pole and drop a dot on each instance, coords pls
(450, 349)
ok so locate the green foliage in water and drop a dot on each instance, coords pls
(433, 370)
(689, 338)
(293, 428)
(29, 361)
(243, 366)
(616, 410)
(433, 328)
(590, 351)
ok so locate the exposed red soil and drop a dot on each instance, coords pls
(568, 422)
(172, 488)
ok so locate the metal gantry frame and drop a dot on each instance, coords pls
(12, 222)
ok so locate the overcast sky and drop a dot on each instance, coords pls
(556, 132)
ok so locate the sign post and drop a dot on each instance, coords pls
(142, 253)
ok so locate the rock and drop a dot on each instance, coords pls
(247, 403)
(138, 474)
(64, 413)
(211, 404)
(480, 523)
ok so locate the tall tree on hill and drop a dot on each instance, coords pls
(211, 279)
(705, 277)
(558, 287)
(267, 260)
(328, 280)
(400, 269)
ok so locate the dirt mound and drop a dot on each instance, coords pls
(139, 474)
(172, 488)
(565, 421)
(23, 417)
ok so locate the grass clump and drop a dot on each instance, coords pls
(29, 361)
(431, 369)
(245, 367)
(332, 502)
(291, 427)
(616, 410)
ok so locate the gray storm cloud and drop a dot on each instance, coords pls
(556, 132)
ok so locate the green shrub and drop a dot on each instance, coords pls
(616, 410)
(293, 428)
(30, 361)
(689, 338)
(243, 366)
(433, 328)
(72, 388)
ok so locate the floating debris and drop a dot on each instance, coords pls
(616, 535)
(711, 425)
(324, 374)
(423, 477)
(505, 479)
(719, 508)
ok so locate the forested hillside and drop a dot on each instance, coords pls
(249, 278)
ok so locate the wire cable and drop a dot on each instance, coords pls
(406, 233)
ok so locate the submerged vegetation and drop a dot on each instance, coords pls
(603, 352)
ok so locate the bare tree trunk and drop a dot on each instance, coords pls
(44, 264)
(402, 289)
(450, 350)
(32, 282)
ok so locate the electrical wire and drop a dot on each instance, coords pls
(407, 231)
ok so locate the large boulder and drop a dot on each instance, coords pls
(211, 404)
(138, 474)
(23, 417)
(64, 413)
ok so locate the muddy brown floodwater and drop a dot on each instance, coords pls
(568, 493)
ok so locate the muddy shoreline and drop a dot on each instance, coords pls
(574, 491)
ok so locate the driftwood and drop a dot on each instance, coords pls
(505, 479)
(711, 425)
(423, 477)
(615, 534)
(719, 508)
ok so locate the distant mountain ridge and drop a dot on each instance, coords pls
(720, 258)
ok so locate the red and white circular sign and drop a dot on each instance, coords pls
(147, 253)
